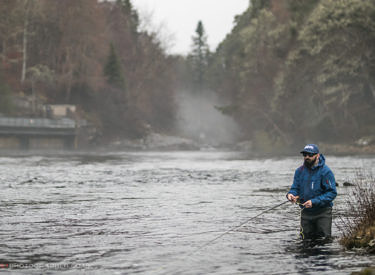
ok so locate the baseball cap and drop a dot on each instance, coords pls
(310, 148)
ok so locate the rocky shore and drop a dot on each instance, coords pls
(347, 149)
(156, 141)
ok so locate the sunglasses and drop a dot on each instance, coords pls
(308, 154)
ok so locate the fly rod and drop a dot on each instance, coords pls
(234, 228)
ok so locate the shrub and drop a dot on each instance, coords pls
(358, 228)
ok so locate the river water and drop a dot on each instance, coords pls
(148, 212)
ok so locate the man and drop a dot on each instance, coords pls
(314, 188)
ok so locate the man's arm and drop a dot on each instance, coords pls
(330, 193)
(293, 193)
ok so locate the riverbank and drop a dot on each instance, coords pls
(347, 149)
(365, 271)
(156, 141)
(358, 230)
(363, 238)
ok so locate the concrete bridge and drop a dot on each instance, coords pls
(37, 133)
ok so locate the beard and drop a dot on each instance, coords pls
(309, 163)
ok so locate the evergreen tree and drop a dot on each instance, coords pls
(113, 71)
(128, 10)
(5, 97)
(198, 59)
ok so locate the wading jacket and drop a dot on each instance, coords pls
(316, 184)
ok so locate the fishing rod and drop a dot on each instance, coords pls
(234, 228)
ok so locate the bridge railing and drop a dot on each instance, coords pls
(37, 122)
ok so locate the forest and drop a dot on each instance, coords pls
(300, 71)
(90, 54)
(289, 71)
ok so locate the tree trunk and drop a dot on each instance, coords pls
(33, 97)
(24, 46)
(3, 55)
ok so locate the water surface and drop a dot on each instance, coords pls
(125, 213)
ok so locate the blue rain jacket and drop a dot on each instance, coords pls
(316, 184)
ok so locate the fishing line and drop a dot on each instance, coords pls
(234, 228)
(300, 216)
(191, 254)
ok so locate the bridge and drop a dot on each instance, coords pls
(37, 133)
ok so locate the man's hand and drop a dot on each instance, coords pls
(307, 204)
(292, 198)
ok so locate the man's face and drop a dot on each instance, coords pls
(310, 159)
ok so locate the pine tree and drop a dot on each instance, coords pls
(113, 71)
(128, 10)
(199, 58)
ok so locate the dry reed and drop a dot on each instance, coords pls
(358, 227)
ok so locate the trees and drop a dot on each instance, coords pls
(132, 15)
(11, 30)
(5, 100)
(327, 83)
(198, 59)
(113, 71)
(37, 74)
(81, 48)
(147, 69)
(300, 69)
(28, 8)
(69, 40)
(246, 64)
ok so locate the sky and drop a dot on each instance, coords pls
(175, 20)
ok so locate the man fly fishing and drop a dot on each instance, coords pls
(314, 189)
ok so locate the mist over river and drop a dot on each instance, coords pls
(146, 212)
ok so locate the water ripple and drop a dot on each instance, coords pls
(147, 212)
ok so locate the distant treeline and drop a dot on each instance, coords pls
(297, 71)
(89, 53)
(293, 71)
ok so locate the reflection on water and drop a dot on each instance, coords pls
(147, 212)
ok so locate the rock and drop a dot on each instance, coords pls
(29, 181)
(371, 247)
(127, 145)
(157, 141)
(365, 141)
(348, 184)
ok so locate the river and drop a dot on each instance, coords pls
(148, 212)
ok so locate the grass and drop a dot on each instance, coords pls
(358, 228)
(366, 271)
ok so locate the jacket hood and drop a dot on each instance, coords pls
(322, 160)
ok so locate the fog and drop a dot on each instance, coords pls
(198, 119)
